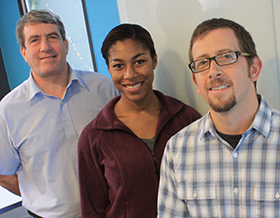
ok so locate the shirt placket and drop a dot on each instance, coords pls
(68, 124)
(236, 184)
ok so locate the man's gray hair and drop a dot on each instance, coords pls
(38, 16)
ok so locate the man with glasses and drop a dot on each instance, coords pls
(227, 164)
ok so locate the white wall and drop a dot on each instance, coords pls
(171, 23)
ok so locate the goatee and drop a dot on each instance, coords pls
(224, 107)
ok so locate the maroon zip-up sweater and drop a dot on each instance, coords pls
(118, 173)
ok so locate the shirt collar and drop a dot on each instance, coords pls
(73, 75)
(261, 122)
(33, 88)
(207, 126)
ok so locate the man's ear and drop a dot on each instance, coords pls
(194, 80)
(255, 68)
(66, 44)
(23, 53)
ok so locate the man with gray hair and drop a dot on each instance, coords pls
(42, 118)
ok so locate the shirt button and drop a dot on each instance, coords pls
(195, 194)
(235, 155)
(235, 191)
(68, 124)
(74, 144)
(277, 195)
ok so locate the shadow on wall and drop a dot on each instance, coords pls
(176, 79)
(269, 82)
(174, 23)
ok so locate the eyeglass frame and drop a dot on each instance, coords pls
(237, 53)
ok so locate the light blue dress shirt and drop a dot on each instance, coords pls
(39, 135)
(203, 176)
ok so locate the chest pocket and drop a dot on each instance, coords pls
(200, 199)
(267, 200)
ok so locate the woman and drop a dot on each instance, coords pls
(121, 149)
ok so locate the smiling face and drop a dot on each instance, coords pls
(131, 67)
(45, 51)
(224, 87)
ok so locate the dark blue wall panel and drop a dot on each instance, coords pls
(17, 69)
(103, 16)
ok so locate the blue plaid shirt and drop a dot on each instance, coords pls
(203, 176)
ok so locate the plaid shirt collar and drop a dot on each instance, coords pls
(261, 122)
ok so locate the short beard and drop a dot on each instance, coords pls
(224, 108)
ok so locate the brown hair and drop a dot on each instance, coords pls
(244, 38)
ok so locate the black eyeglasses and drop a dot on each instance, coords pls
(222, 59)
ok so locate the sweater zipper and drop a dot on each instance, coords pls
(155, 165)
(154, 159)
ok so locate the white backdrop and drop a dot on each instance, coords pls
(171, 23)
